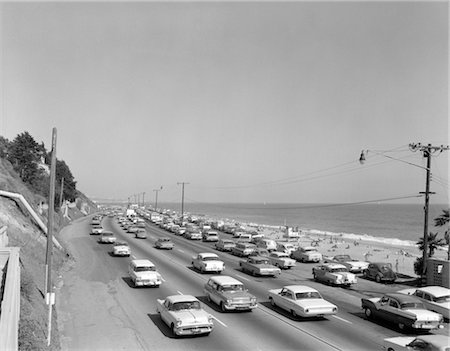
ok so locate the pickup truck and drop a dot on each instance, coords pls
(257, 265)
(404, 311)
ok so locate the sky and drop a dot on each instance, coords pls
(261, 102)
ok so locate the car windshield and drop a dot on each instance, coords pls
(235, 287)
(144, 269)
(337, 270)
(210, 258)
(442, 299)
(261, 261)
(121, 244)
(108, 234)
(412, 305)
(164, 240)
(386, 267)
(308, 295)
(187, 305)
(343, 258)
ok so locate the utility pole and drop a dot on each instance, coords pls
(156, 201)
(427, 151)
(49, 295)
(182, 200)
(61, 194)
(143, 197)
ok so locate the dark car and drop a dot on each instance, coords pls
(380, 272)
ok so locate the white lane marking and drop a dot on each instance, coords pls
(133, 257)
(342, 319)
(240, 276)
(180, 250)
(220, 321)
(179, 292)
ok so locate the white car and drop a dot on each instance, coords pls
(107, 238)
(301, 301)
(435, 298)
(184, 315)
(121, 249)
(281, 260)
(353, 265)
(143, 273)
(432, 342)
(193, 235)
(307, 254)
(334, 274)
(208, 262)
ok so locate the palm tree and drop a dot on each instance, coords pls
(441, 221)
(433, 243)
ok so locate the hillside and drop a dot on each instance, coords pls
(24, 233)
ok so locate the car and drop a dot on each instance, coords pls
(164, 243)
(260, 252)
(301, 301)
(257, 265)
(353, 265)
(184, 315)
(208, 262)
(281, 260)
(143, 273)
(229, 294)
(225, 245)
(193, 235)
(286, 246)
(210, 235)
(433, 342)
(380, 272)
(121, 248)
(96, 229)
(307, 254)
(243, 249)
(269, 244)
(405, 311)
(140, 234)
(132, 229)
(435, 298)
(334, 274)
(180, 231)
(244, 237)
(107, 237)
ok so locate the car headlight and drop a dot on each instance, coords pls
(253, 300)
(178, 323)
(210, 320)
(229, 302)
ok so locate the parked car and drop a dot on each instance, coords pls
(229, 293)
(143, 273)
(405, 311)
(256, 265)
(243, 249)
(287, 247)
(208, 262)
(334, 274)
(164, 243)
(301, 301)
(260, 252)
(245, 237)
(225, 245)
(353, 265)
(141, 234)
(210, 235)
(435, 298)
(133, 229)
(307, 254)
(281, 260)
(184, 315)
(121, 249)
(433, 342)
(380, 272)
(107, 237)
(193, 235)
(268, 244)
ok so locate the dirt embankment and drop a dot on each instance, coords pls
(25, 234)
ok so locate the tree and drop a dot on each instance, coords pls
(443, 220)
(433, 243)
(4, 146)
(70, 191)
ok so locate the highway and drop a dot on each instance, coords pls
(98, 308)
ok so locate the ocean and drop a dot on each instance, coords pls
(401, 224)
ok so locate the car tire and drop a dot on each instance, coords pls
(222, 307)
(366, 274)
(272, 302)
(172, 328)
(208, 297)
(401, 326)
(368, 312)
(294, 314)
(378, 278)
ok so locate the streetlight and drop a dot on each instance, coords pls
(156, 200)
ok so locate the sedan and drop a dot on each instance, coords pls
(121, 249)
(281, 260)
(256, 265)
(184, 315)
(141, 234)
(107, 238)
(208, 262)
(164, 243)
(301, 301)
(435, 298)
(334, 273)
(425, 343)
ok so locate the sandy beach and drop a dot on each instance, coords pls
(401, 257)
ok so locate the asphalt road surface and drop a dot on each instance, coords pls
(99, 310)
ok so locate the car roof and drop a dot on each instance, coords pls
(402, 298)
(225, 280)
(334, 265)
(181, 298)
(299, 288)
(208, 254)
(437, 291)
(435, 339)
(142, 262)
(278, 253)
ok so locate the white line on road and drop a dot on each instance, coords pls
(180, 250)
(240, 276)
(179, 292)
(220, 321)
(342, 319)
(133, 257)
